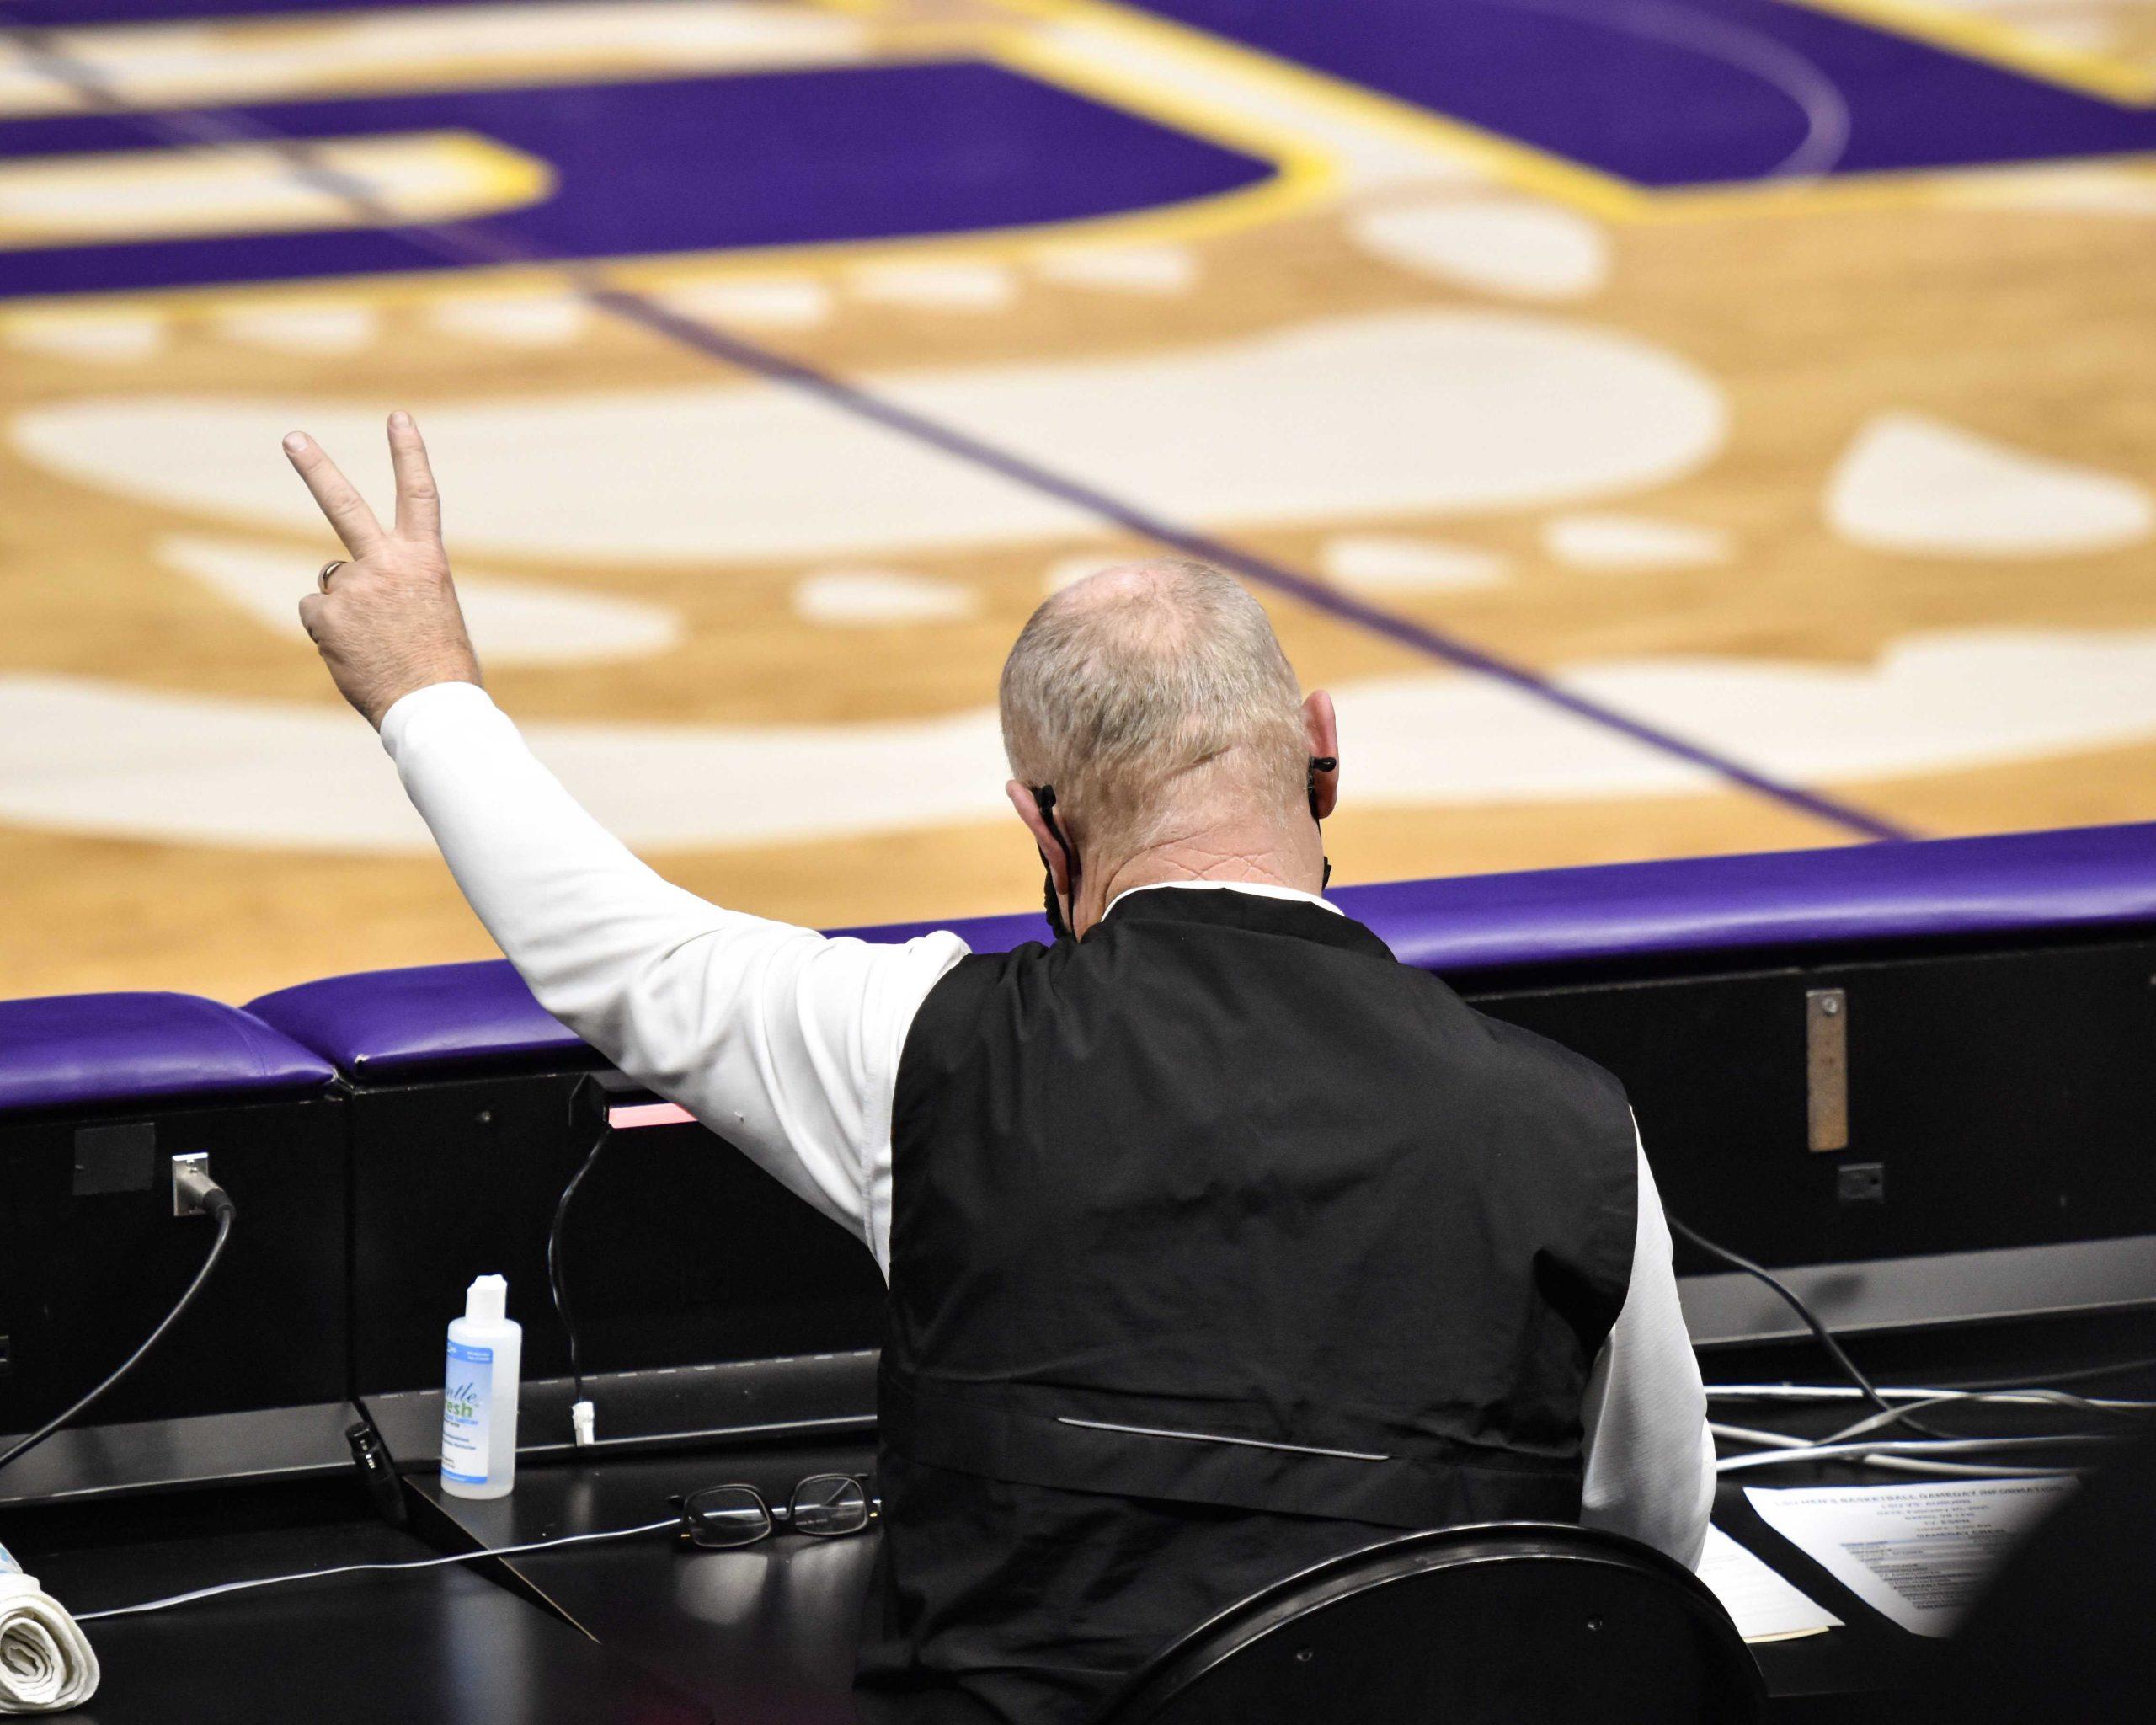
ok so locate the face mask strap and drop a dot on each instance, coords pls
(1321, 763)
(1044, 798)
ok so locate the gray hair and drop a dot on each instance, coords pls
(1153, 693)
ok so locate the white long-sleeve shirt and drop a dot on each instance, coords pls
(786, 1042)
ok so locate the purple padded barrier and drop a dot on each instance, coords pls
(388, 1023)
(75, 1050)
(1462, 925)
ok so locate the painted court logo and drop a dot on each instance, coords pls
(1510, 404)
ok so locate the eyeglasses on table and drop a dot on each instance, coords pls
(825, 1506)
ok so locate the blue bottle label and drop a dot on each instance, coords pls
(8, 1565)
(467, 1412)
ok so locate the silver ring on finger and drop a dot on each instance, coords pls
(328, 570)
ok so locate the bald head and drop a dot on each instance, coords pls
(1154, 697)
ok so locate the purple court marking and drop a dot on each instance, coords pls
(1680, 93)
(1403, 631)
(486, 242)
(798, 158)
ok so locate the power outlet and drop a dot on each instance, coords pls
(1862, 1182)
(198, 1162)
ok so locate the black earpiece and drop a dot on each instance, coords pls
(1320, 763)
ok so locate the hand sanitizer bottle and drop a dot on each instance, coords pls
(479, 1403)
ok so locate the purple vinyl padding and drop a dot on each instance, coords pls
(97, 1050)
(1463, 925)
(388, 1023)
(396, 1023)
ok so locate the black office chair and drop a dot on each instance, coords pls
(1508, 1623)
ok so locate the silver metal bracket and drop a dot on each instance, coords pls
(198, 1161)
(1826, 1069)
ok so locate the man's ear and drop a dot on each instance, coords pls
(1029, 811)
(1323, 731)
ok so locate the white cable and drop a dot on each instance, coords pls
(1845, 1392)
(1834, 1445)
(1891, 1464)
(1890, 1416)
(1961, 1470)
(1911, 1401)
(1900, 1446)
(233, 1586)
(1886, 1417)
(1770, 1441)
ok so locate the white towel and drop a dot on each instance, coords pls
(46, 1663)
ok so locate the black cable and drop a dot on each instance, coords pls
(1897, 1413)
(220, 1206)
(1824, 1336)
(557, 1277)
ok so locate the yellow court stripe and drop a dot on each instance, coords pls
(1529, 169)
(287, 59)
(1304, 173)
(1302, 177)
(1220, 212)
(1935, 188)
(1979, 37)
(1519, 164)
(124, 197)
(1196, 219)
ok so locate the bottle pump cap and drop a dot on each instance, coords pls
(487, 1300)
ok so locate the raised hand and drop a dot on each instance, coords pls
(386, 621)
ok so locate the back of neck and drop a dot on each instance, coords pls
(1258, 856)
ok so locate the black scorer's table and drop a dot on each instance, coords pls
(765, 1634)
(432, 1647)
(762, 1635)
(759, 1636)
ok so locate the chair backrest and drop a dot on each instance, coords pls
(1506, 1623)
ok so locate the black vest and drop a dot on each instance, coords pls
(1221, 1242)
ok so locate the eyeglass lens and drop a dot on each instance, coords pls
(724, 1516)
(828, 1505)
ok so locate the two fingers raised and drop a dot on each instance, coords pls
(418, 505)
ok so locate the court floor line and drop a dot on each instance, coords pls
(1319, 596)
(1828, 120)
(460, 241)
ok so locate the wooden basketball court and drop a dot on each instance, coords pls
(1669, 426)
